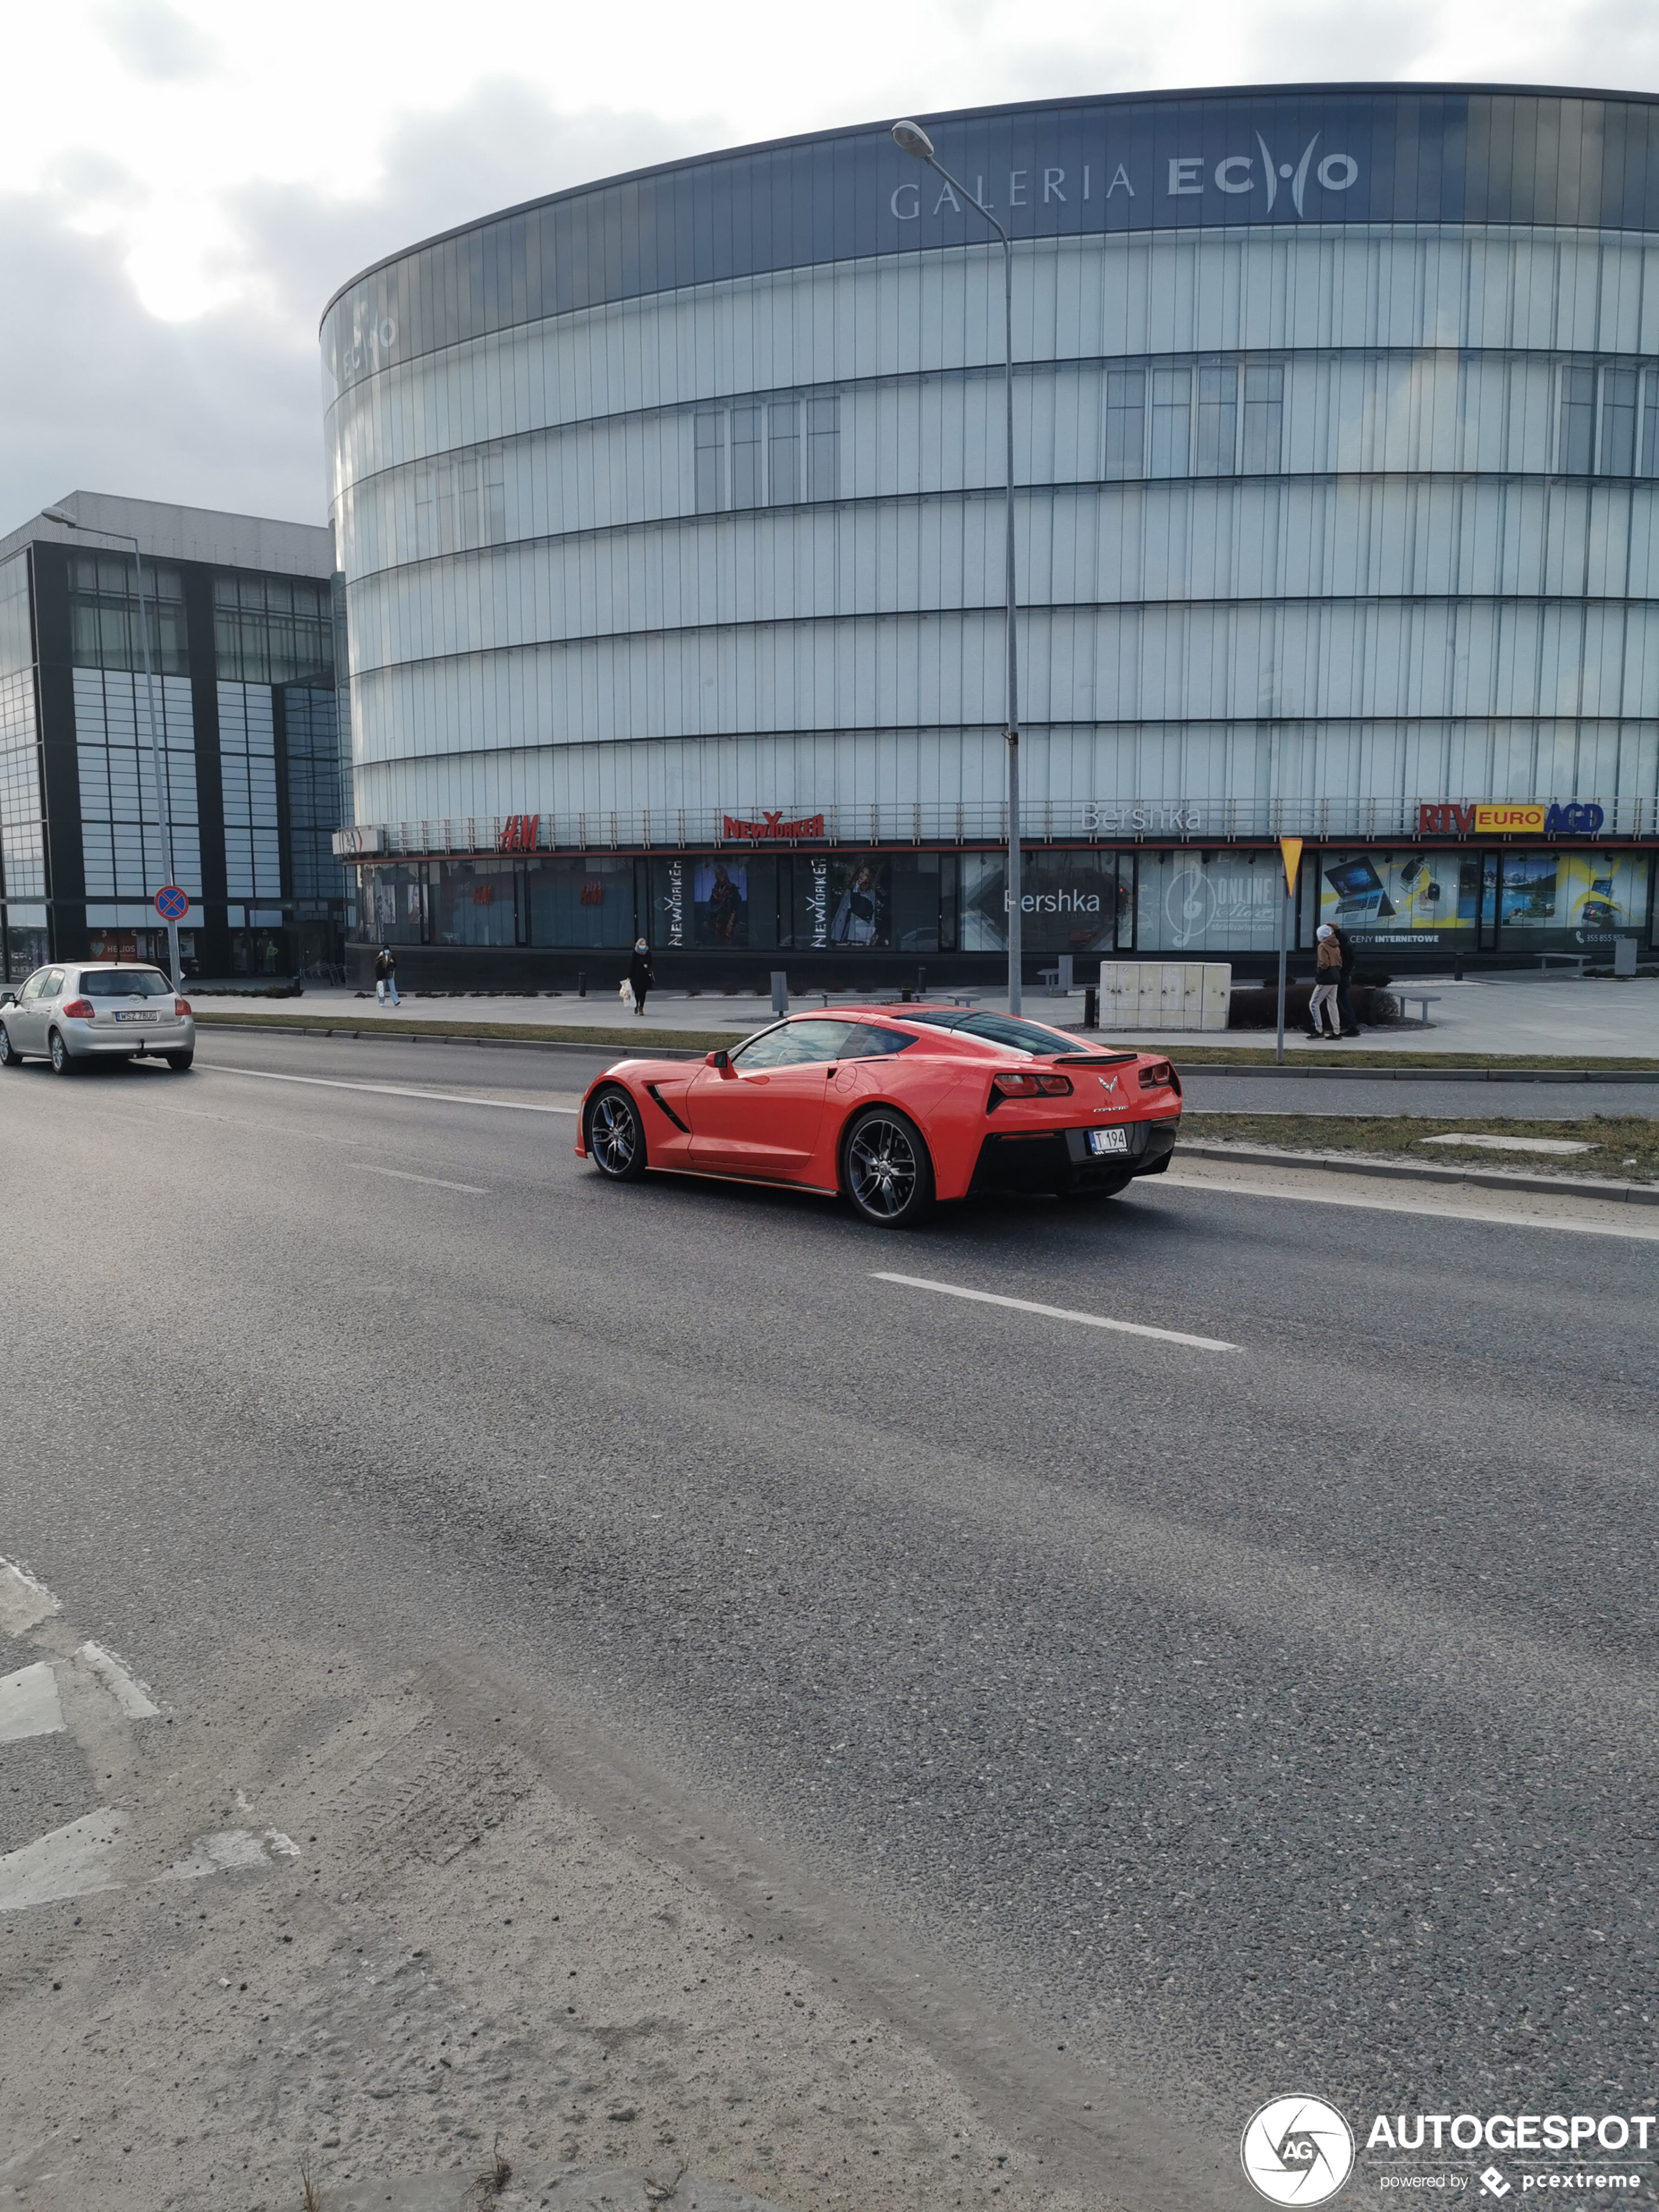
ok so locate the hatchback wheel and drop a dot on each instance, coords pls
(178, 1061)
(10, 1055)
(62, 1063)
(889, 1178)
(616, 1141)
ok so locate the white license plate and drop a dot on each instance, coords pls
(150, 1018)
(1108, 1140)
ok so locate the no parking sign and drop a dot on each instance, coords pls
(172, 903)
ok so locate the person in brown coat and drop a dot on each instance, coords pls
(1328, 960)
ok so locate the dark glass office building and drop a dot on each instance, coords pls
(242, 616)
(670, 516)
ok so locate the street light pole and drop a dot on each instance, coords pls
(912, 139)
(163, 791)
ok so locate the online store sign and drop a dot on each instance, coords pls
(1309, 2150)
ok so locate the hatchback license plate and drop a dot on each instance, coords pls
(150, 1018)
(1108, 1140)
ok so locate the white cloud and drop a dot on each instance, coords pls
(190, 179)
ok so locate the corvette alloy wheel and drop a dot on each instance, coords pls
(889, 1177)
(615, 1138)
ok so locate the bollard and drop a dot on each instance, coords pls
(582, 982)
(779, 991)
(921, 982)
(1091, 1008)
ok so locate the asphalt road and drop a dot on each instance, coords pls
(1271, 1718)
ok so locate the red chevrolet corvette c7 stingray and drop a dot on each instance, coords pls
(894, 1107)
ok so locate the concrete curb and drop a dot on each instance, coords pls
(1263, 1156)
(1357, 1072)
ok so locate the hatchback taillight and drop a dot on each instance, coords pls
(1032, 1087)
(181, 1008)
(79, 1010)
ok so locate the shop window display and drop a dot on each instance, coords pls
(1570, 902)
(1071, 901)
(475, 902)
(1204, 901)
(581, 901)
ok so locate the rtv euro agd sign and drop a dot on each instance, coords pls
(1301, 2151)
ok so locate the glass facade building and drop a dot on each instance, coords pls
(242, 621)
(669, 512)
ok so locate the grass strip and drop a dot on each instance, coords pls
(1627, 1144)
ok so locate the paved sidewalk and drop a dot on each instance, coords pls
(1532, 1018)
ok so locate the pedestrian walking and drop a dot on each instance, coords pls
(1350, 1020)
(641, 977)
(1329, 961)
(386, 977)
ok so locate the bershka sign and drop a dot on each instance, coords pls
(1100, 817)
(1493, 817)
(771, 827)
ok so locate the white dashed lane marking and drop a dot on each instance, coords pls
(24, 1602)
(1061, 1313)
(29, 1704)
(435, 1182)
(69, 1861)
(386, 1089)
(132, 1696)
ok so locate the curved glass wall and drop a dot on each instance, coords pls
(1337, 458)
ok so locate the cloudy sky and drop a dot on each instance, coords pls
(184, 182)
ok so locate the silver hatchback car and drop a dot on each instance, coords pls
(96, 1010)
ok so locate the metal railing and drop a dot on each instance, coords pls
(1145, 821)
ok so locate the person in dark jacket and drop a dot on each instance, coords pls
(1345, 988)
(641, 976)
(385, 976)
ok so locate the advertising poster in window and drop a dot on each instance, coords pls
(1071, 901)
(860, 902)
(1567, 902)
(1383, 899)
(1202, 902)
(719, 903)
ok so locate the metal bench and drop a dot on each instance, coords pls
(1577, 961)
(1422, 998)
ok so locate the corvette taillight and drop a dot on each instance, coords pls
(180, 1007)
(79, 1010)
(1157, 1077)
(1033, 1086)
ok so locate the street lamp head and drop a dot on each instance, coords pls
(57, 514)
(911, 138)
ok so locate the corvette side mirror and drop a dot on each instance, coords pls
(721, 1059)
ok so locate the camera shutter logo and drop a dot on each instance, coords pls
(1297, 2150)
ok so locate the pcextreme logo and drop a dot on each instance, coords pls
(1297, 2150)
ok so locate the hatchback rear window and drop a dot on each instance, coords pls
(125, 983)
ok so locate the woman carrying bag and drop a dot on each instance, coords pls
(1329, 962)
(641, 976)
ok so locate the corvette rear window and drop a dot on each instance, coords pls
(124, 983)
(1024, 1037)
